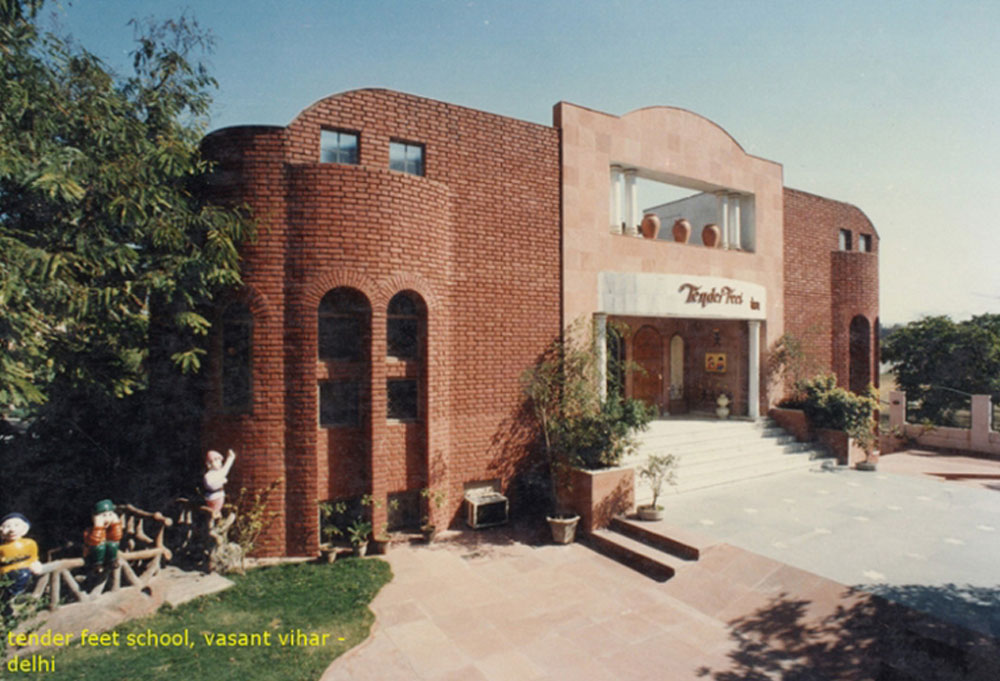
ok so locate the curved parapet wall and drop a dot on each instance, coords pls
(475, 238)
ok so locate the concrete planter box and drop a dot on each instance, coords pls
(846, 449)
(598, 496)
(794, 421)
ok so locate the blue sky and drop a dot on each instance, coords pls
(891, 106)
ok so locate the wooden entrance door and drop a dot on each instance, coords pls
(647, 349)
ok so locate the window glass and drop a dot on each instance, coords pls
(339, 403)
(403, 327)
(338, 146)
(343, 321)
(845, 240)
(402, 399)
(865, 243)
(406, 157)
(236, 334)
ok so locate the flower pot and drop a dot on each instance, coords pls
(722, 408)
(650, 512)
(650, 225)
(866, 466)
(428, 532)
(563, 529)
(711, 236)
(360, 549)
(327, 554)
(682, 231)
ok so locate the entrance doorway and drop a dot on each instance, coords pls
(647, 349)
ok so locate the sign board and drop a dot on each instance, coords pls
(715, 362)
(680, 295)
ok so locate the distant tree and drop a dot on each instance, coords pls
(939, 362)
(109, 259)
(101, 226)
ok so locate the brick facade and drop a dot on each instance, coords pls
(827, 288)
(476, 238)
(486, 243)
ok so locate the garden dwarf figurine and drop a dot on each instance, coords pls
(100, 542)
(18, 555)
(215, 480)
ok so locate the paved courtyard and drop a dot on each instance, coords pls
(902, 532)
(768, 601)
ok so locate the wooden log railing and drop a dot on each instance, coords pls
(138, 549)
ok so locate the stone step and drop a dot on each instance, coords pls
(716, 452)
(639, 556)
(662, 536)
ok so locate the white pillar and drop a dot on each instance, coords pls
(724, 217)
(615, 203)
(736, 241)
(631, 204)
(601, 351)
(753, 389)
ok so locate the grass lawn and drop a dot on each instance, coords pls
(314, 599)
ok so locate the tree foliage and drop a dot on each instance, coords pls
(940, 362)
(101, 226)
(109, 259)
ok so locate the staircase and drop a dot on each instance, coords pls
(710, 452)
(715, 452)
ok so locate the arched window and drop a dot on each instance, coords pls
(860, 354)
(237, 329)
(343, 325)
(405, 318)
(403, 326)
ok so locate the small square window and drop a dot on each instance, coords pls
(402, 399)
(845, 239)
(406, 157)
(865, 243)
(339, 403)
(338, 146)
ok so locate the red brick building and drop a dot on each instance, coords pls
(415, 257)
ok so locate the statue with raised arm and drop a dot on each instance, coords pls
(216, 473)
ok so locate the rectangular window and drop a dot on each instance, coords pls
(865, 243)
(339, 403)
(406, 157)
(845, 239)
(338, 146)
(402, 399)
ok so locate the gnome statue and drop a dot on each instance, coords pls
(100, 542)
(18, 555)
(216, 473)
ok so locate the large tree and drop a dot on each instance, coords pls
(109, 259)
(940, 362)
(101, 226)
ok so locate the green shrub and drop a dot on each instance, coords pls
(829, 406)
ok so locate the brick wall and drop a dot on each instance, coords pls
(476, 238)
(825, 288)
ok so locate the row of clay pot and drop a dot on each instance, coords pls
(711, 235)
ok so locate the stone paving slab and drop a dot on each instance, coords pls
(495, 608)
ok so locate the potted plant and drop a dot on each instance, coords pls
(579, 427)
(658, 469)
(431, 496)
(358, 533)
(864, 436)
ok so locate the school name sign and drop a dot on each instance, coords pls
(679, 295)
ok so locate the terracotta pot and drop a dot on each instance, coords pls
(650, 512)
(682, 231)
(650, 225)
(711, 235)
(563, 529)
